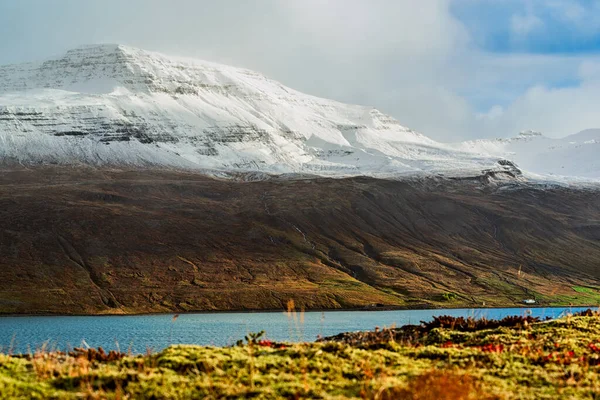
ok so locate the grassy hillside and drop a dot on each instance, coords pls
(104, 241)
(453, 360)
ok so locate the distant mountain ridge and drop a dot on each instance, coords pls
(573, 156)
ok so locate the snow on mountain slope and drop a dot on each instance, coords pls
(111, 104)
(577, 155)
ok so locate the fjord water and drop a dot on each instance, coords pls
(139, 333)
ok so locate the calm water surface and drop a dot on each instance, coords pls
(155, 332)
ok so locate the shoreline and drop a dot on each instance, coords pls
(272, 311)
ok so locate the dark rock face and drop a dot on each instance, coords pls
(99, 240)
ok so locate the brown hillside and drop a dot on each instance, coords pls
(102, 241)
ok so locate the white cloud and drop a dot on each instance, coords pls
(568, 10)
(589, 70)
(493, 113)
(417, 62)
(524, 24)
(418, 65)
(556, 112)
(581, 17)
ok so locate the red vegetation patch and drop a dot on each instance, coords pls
(594, 347)
(492, 348)
(271, 344)
(439, 385)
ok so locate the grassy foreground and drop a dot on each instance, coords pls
(456, 360)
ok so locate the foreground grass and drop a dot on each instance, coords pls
(545, 360)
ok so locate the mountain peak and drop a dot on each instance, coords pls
(98, 48)
(91, 53)
(102, 68)
(114, 104)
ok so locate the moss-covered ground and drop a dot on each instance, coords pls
(541, 360)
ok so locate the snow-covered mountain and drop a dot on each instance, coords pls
(116, 105)
(577, 155)
(111, 104)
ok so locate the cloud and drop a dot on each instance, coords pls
(493, 113)
(569, 10)
(555, 111)
(589, 70)
(524, 24)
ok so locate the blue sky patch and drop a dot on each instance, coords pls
(535, 26)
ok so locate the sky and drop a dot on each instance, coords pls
(452, 69)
